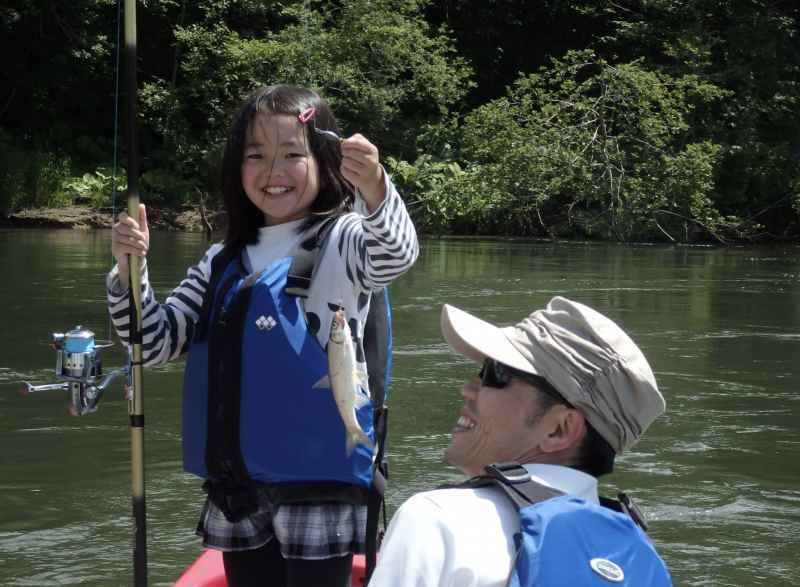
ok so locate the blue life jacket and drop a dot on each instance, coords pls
(286, 430)
(566, 541)
(251, 414)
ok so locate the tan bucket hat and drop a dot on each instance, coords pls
(583, 354)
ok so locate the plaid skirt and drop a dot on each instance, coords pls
(304, 530)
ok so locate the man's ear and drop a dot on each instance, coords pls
(566, 428)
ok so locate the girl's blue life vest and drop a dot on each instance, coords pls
(250, 408)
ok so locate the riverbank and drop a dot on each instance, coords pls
(86, 218)
(190, 220)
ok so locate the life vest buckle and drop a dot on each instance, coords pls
(510, 473)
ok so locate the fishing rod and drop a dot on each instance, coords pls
(78, 355)
(135, 403)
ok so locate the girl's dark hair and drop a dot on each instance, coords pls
(335, 194)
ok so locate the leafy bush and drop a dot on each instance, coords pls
(378, 62)
(426, 185)
(585, 147)
(30, 177)
(96, 189)
(161, 186)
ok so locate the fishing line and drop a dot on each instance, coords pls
(308, 69)
(110, 324)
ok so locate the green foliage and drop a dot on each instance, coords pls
(96, 189)
(673, 119)
(584, 147)
(381, 67)
(165, 187)
(385, 70)
(30, 177)
(750, 50)
(427, 185)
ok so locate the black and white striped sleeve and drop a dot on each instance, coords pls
(166, 328)
(378, 248)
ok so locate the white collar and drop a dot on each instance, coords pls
(280, 230)
(565, 479)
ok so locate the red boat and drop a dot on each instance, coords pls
(207, 571)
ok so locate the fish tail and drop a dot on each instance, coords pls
(358, 437)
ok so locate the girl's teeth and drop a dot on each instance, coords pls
(277, 190)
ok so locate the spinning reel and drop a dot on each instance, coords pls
(79, 367)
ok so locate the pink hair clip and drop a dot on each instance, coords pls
(307, 114)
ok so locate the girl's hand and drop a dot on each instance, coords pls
(129, 237)
(361, 167)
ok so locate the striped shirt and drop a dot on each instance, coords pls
(369, 253)
(364, 252)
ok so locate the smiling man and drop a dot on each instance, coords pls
(562, 393)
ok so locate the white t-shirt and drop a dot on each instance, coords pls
(462, 537)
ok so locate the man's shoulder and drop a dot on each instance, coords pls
(457, 501)
(460, 520)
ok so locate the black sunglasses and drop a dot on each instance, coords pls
(498, 375)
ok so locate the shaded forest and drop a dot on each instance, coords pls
(665, 120)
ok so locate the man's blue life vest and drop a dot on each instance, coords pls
(567, 541)
(251, 413)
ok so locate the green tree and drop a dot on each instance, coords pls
(589, 148)
(383, 69)
(750, 49)
(747, 48)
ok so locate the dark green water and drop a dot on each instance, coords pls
(718, 475)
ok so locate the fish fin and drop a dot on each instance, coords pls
(361, 397)
(358, 437)
(323, 383)
(360, 381)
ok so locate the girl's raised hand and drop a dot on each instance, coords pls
(361, 167)
(129, 237)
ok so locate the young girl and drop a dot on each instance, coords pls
(285, 497)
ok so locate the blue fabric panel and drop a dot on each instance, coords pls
(289, 430)
(560, 537)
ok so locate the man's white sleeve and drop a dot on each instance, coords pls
(414, 551)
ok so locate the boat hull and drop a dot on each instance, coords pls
(207, 571)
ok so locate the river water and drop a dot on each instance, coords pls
(717, 475)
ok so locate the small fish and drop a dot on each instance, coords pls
(344, 379)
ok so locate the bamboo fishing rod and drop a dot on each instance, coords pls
(136, 403)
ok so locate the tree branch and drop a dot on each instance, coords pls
(697, 222)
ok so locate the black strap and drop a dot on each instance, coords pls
(234, 500)
(218, 265)
(625, 504)
(305, 257)
(375, 497)
(377, 349)
(516, 483)
(378, 346)
(224, 460)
